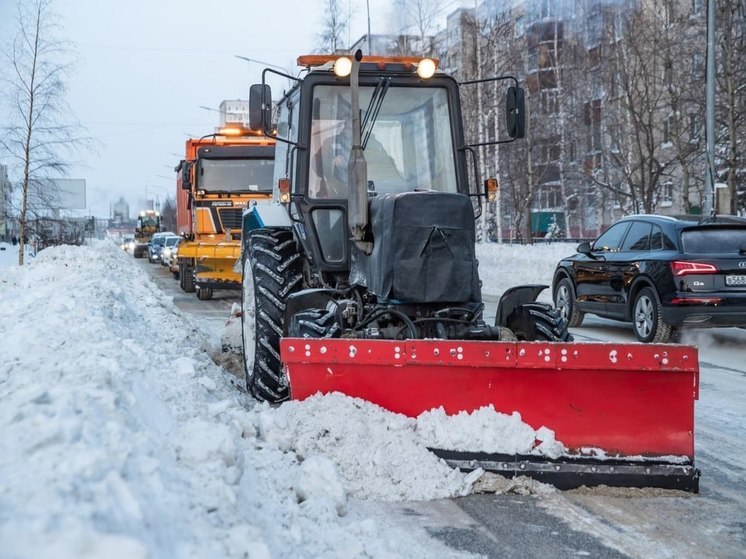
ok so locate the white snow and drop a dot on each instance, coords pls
(120, 436)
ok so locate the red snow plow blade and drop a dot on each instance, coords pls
(635, 402)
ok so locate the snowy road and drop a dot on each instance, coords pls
(595, 523)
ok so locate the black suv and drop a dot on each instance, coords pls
(660, 273)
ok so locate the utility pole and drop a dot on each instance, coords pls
(367, 6)
(708, 208)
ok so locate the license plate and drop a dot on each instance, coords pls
(735, 280)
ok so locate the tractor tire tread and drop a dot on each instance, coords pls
(277, 271)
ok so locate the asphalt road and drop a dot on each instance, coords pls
(602, 522)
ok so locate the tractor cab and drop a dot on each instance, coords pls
(410, 138)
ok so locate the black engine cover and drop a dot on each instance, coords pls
(423, 249)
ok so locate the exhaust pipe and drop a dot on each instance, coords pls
(357, 168)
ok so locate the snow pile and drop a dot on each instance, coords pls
(378, 453)
(122, 438)
(505, 266)
(488, 431)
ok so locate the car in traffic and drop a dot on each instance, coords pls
(167, 250)
(156, 244)
(173, 265)
(662, 274)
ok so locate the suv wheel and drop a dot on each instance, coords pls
(564, 300)
(648, 320)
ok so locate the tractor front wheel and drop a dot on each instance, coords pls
(538, 322)
(272, 270)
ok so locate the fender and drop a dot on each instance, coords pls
(515, 296)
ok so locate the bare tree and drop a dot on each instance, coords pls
(420, 15)
(168, 214)
(38, 135)
(732, 95)
(333, 26)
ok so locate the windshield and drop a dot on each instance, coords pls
(236, 175)
(410, 146)
(148, 222)
(171, 241)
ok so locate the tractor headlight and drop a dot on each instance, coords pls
(426, 68)
(342, 67)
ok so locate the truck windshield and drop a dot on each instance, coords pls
(410, 146)
(147, 222)
(236, 175)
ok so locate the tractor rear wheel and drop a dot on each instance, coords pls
(272, 270)
(538, 322)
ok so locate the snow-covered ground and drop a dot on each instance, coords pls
(121, 437)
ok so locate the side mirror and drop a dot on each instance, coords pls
(584, 248)
(260, 107)
(515, 109)
(186, 179)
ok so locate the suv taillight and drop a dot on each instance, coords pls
(680, 268)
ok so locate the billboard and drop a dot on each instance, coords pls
(57, 194)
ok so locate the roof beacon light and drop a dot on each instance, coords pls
(426, 68)
(342, 67)
(231, 131)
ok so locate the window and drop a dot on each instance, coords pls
(236, 175)
(331, 231)
(696, 6)
(638, 237)
(613, 133)
(725, 240)
(669, 128)
(594, 56)
(667, 192)
(549, 150)
(612, 239)
(410, 145)
(614, 85)
(697, 65)
(694, 129)
(519, 26)
(595, 28)
(549, 104)
(593, 120)
(548, 197)
(660, 241)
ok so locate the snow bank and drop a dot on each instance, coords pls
(504, 266)
(122, 438)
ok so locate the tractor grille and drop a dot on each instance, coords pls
(230, 218)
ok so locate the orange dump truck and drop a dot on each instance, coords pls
(221, 175)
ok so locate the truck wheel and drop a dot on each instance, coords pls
(186, 279)
(204, 293)
(647, 318)
(564, 300)
(538, 322)
(272, 270)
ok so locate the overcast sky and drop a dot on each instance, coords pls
(146, 66)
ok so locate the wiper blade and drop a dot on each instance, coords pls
(371, 113)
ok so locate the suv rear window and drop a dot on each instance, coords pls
(714, 240)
